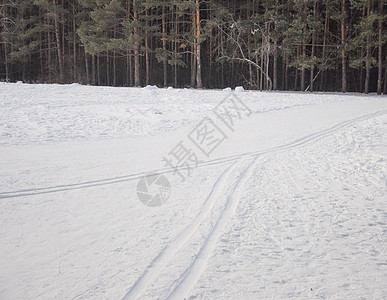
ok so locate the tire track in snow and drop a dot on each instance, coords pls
(184, 236)
(130, 177)
(193, 273)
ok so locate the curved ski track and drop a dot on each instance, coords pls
(187, 280)
(131, 177)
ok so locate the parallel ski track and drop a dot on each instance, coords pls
(131, 177)
(190, 276)
(177, 243)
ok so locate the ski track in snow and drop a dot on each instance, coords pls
(193, 272)
(279, 221)
(167, 254)
(120, 179)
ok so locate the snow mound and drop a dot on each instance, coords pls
(227, 89)
(151, 87)
(239, 89)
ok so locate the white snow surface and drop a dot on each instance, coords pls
(292, 204)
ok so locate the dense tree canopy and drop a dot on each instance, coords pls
(315, 45)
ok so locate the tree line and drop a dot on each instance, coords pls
(306, 45)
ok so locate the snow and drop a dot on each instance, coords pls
(290, 205)
(239, 89)
(151, 87)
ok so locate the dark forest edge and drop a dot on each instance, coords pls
(302, 45)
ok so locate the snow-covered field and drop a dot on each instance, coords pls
(290, 203)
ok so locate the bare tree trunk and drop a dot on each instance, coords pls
(275, 51)
(303, 67)
(75, 49)
(87, 69)
(368, 55)
(199, 66)
(251, 84)
(303, 53)
(286, 72)
(98, 71)
(311, 88)
(175, 46)
(58, 45)
(49, 54)
(249, 56)
(60, 3)
(385, 81)
(136, 48)
(129, 68)
(164, 40)
(136, 65)
(379, 90)
(343, 65)
(261, 75)
(222, 70)
(210, 81)
(41, 53)
(107, 69)
(93, 74)
(266, 48)
(5, 45)
(175, 65)
(296, 77)
(6, 62)
(114, 61)
(175, 75)
(267, 82)
(147, 74)
(194, 51)
(323, 73)
(193, 67)
(114, 69)
(361, 55)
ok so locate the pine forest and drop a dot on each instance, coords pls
(301, 45)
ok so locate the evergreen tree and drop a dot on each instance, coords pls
(271, 44)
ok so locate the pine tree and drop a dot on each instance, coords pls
(260, 44)
(366, 38)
